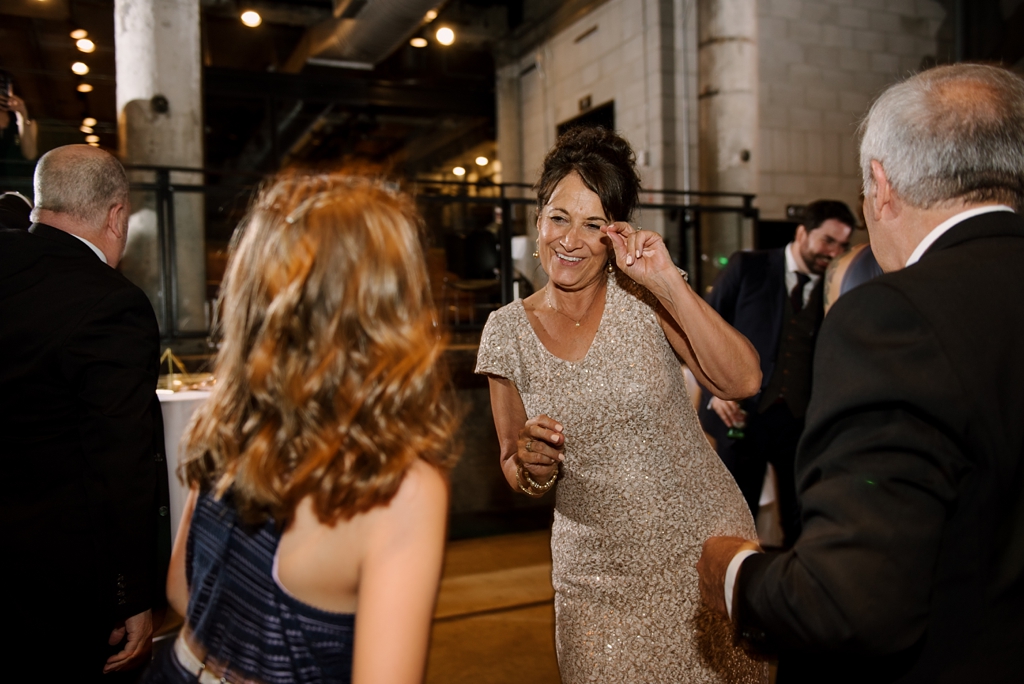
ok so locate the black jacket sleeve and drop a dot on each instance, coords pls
(111, 362)
(877, 475)
(726, 289)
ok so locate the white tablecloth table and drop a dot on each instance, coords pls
(177, 409)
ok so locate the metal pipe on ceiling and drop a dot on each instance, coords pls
(361, 33)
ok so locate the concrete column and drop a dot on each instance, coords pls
(160, 122)
(658, 156)
(510, 124)
(510, 154)
(728, 120)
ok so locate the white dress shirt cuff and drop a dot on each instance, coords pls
(730, 576)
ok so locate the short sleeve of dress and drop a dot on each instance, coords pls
(499, 353)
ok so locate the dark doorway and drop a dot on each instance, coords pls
(598, 116)
(772, 234)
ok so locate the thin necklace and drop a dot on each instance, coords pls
(547, 298)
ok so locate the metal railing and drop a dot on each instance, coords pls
(682, 217)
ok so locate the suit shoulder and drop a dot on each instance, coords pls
(868, 301)
(118, 294)
(752, 261)
(751, 256)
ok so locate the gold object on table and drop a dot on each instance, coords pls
(181, 380)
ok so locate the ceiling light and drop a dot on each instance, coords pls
(85, 129)
(430, 16)
(251, 19)
(85, 87)
(94, 144)
(481, 161)
(88, 121)
(459, 171)
(85, 45)
(80, 68)
(79, 34)
(418, 42)
(92, 138)
(445, 36)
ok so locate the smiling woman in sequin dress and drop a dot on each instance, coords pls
(587, 389)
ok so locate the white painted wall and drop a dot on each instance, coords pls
(822, 64)
(632, 59)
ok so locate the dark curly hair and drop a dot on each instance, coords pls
(816, 213)
(604, 161)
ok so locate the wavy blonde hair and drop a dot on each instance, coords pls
(328, 377)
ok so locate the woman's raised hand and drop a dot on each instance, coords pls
(640, 254)
(540, 447)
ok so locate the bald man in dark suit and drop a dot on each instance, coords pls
(80, 431)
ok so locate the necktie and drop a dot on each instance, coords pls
(796, 297)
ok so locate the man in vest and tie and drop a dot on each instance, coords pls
(774, 297)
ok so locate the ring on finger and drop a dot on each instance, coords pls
(529, 445)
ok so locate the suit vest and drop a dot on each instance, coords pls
(791, 379)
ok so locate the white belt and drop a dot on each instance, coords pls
(194, 666)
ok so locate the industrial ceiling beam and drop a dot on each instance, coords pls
(468, 97)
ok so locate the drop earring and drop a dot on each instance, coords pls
(536, 254)
(610, 267)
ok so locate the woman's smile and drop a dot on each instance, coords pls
(568, 259)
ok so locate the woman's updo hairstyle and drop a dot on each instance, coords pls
(604, 161)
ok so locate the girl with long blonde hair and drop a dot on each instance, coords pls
(310, 548)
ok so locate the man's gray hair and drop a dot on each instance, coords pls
(950, 133)
(80, 181)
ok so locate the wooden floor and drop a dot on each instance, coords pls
(495, 620)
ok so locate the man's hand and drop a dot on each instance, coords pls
(729, 411)
(139, 629)
(713, 563)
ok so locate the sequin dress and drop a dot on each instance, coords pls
(640, 491)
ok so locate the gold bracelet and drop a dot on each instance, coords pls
(524, 490)
(540, 487)
(535, 490)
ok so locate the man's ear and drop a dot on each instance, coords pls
(881, 197)
(801, 234)
(115, 225)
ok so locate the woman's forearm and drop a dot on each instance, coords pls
(540, 436)
(28, 134)
(177, 584)
(711, 347)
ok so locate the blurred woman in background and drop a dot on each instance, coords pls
(310, 548)
(18, 133)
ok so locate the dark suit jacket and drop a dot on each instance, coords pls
(910, 474)
(80, 435)
(750, 294)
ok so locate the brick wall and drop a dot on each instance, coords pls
(622, 61)
(822, 63)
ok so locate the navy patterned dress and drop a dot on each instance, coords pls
(242, 615)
